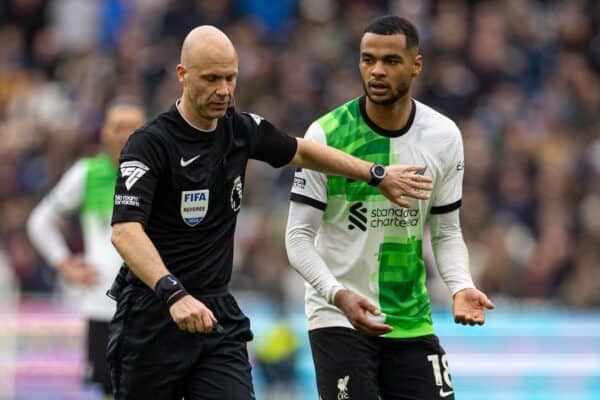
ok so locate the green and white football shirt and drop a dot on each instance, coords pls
(370, 245)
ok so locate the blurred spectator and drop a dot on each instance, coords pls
(521, 77)
(275, 354)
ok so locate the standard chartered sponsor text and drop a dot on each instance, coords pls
(399, 217)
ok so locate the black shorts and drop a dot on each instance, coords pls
(352, 365)
(151, 358)
(97, 370)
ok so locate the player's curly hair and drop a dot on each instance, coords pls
(392, 25)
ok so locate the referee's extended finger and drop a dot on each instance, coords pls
(416, 194)
(422, 185)
(413, 168)
(400, 202)
(421, 178)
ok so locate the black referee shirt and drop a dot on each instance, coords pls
(185, 187)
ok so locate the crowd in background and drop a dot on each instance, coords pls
(520, 77)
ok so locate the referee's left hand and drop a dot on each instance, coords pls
(192, 315)
(407, 181)
(469, 307)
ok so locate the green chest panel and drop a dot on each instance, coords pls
(99, 188)
(346, 130)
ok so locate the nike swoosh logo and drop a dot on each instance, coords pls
(185, 163)
(445, 394)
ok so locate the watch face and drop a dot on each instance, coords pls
(379, 171)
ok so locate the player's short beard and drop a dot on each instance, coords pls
(400, 93)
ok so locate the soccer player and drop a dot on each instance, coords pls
(87, 188)
(177, 331)
(367, 305)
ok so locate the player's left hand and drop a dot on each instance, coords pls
(469, 306)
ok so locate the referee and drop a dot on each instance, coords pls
(177, 331)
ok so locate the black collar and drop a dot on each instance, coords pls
(362, 101)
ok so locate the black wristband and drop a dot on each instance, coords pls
(174, 298)
(166, 287)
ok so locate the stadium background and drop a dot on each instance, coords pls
(519, 77)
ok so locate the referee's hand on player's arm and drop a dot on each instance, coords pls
(469, 306)
(405, 180)
(191, 315)
(355, 307)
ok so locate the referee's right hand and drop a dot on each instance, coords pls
(192, 315)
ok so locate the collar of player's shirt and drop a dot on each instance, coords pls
(362, 103)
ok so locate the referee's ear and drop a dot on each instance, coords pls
(181, 71)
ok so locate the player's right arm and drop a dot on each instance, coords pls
(303, 223)
(141, 161)
(309, 200)
(43, 227)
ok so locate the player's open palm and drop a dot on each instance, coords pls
(405, 180)
(469, 306)
(192, 316)
(356, 307)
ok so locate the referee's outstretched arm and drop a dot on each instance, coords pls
(395, 182)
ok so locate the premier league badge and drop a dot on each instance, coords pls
(194, 205)
(237, 191)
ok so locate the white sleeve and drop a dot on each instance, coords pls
(310, 187)
(43, 225)
(447, 193)
(450, 251)
(303, 223)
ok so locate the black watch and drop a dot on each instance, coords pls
(378, 172)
